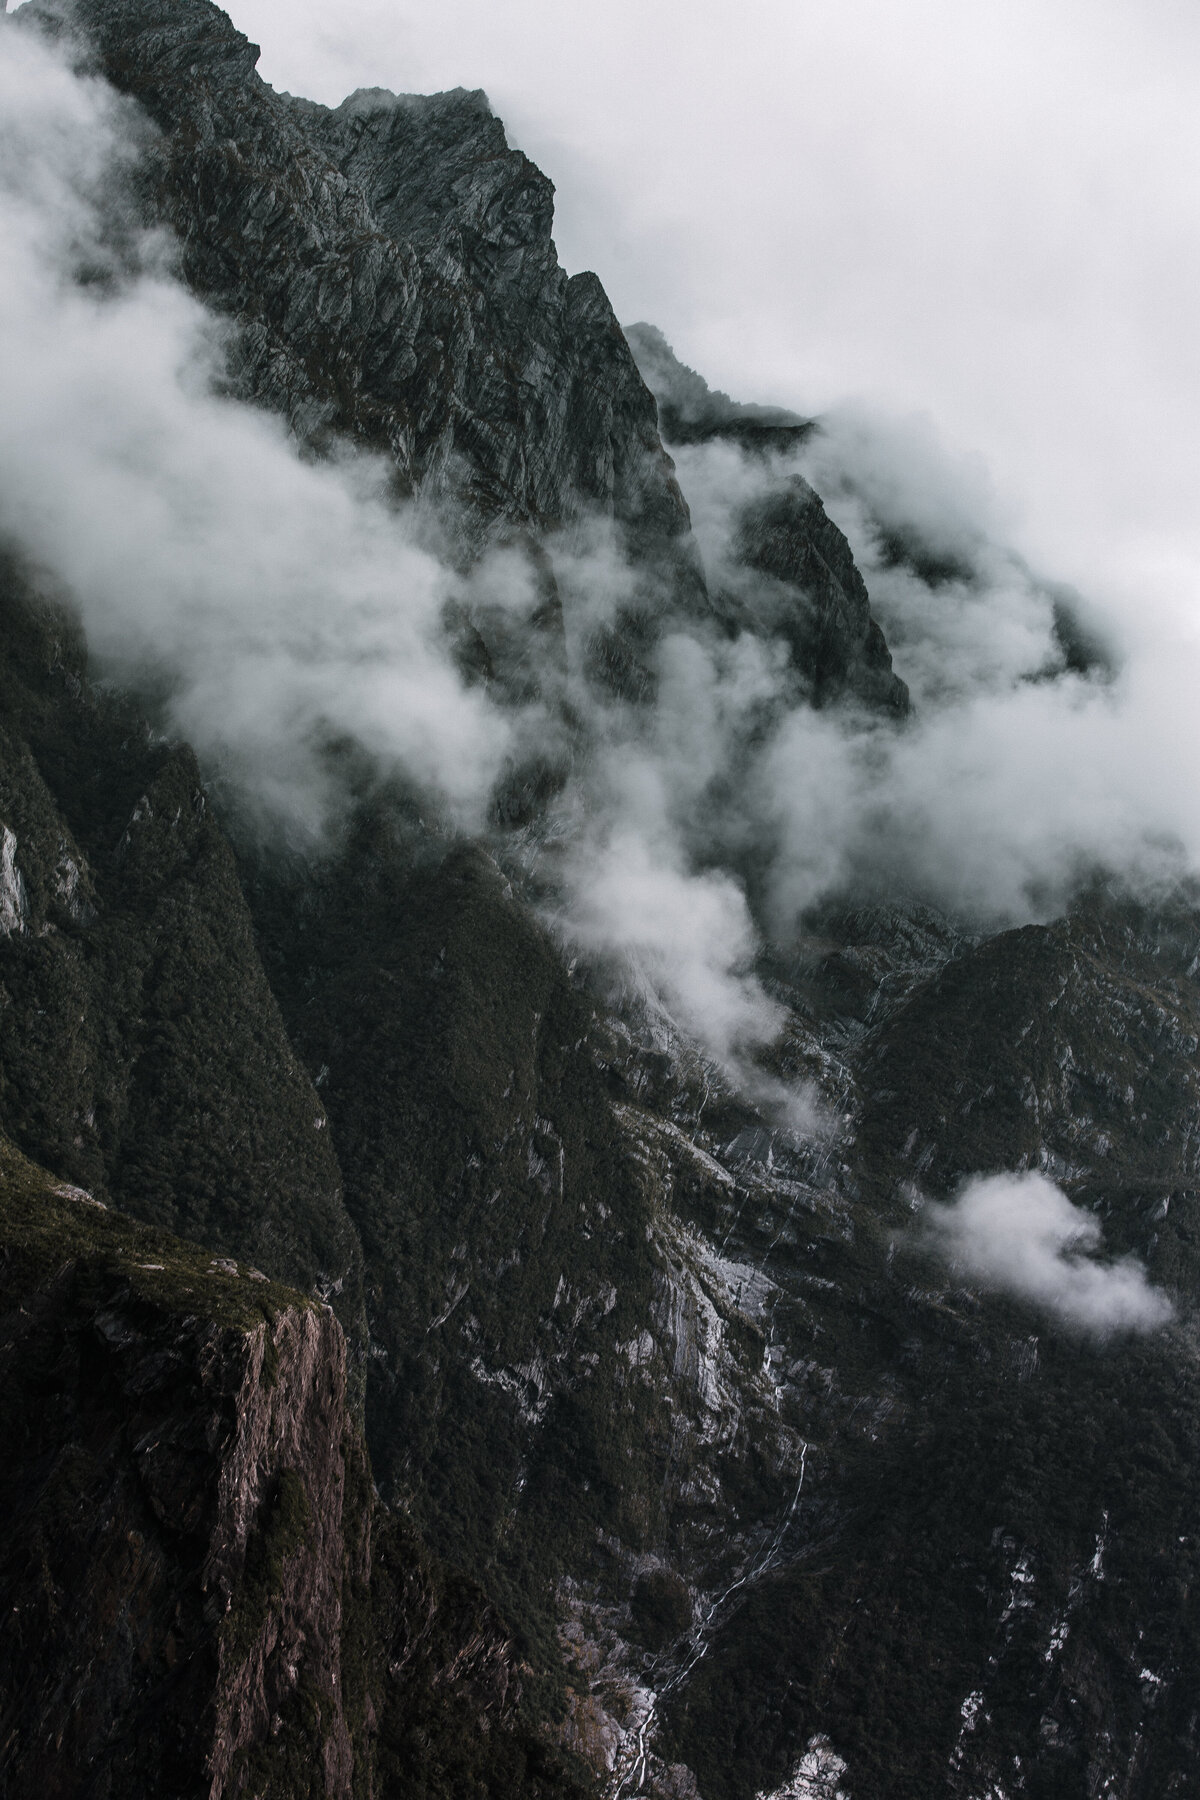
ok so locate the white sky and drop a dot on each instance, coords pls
(987, 211)
(983, 211)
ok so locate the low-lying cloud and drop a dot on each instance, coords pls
(1022, 769)
(279, 610)
(282, 606)
(1018, 1234)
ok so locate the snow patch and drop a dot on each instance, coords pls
(14, 907)
(817, 1776)
(66, 1191)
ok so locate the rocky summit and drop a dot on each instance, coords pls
(442, 1355)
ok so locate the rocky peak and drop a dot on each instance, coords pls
(438, 166)
(823, 612)
(764, 1496)
(390, 270)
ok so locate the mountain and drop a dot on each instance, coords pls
(438, 1357)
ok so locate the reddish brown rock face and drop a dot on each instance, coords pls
(201, 1593)
(174, 1552)
(284, 1479)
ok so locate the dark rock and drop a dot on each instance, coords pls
(661, 1607)
(611, 1317)
(690, 412)
(141, 1049)
(201, 1594)
(822, 609)
(172, 1505)
(391, 273)
(813, 596)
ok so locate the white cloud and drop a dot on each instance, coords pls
(280, 607)
(985, 213)
(1018, 1234)
(284, 605)
(686, 936)
(1007, 785)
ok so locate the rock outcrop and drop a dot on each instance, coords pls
(174, 1545)
(691, 412)
(391, 273)
(789, 571)
(819, 607)
(389, 268)
(201, 1594)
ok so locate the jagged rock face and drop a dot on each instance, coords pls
(390, 269)
(14, 906)
(1005, 1552)
(804, 1509)
(690, 412)
(813, 597)
(176, 1437)
(1072, 1047)
(550, 415)
(936, 1466)
(201, 1594)
(541, 1352)
(823, 612)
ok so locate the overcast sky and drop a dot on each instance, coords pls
(982, 210)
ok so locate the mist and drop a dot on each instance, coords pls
(276, 605)
(277, 610)
(1026, 767)
(1018, 1234)
(985, 212)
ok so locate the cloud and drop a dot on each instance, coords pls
(683, 935)
(280, 606)
(1018, 774)
(1018, 1234)
(980, 211)
(633, 845)
(279, 611)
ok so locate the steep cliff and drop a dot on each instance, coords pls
(201, 1591)
(391, 272)
(141, 1048)
(174, 1546)
(813, 596)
